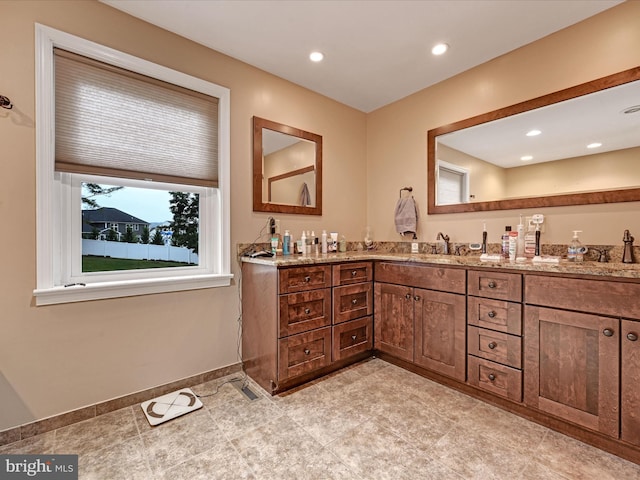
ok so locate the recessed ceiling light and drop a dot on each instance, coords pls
(526, 158)
(634, 109)
(533, 133)
(594, 145)
(440, 48)
(316, 56)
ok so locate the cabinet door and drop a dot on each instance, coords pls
(630, 379)
(572, 368)
(393, 325)
(440, 332)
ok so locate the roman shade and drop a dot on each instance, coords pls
(114, 122)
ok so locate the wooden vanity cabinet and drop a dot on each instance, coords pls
(420, 316)
(494, 332)
(583, 367)
(303, 321)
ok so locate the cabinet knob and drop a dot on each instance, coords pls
(354, 273)
(307, 311)
(408, 296)
(307, 351)
(307, 279)
(353, 337)
(492, 284)
(491, 314)
(417, 298)
(354, 301)
(492, 377)
(493, 345)
(631, 336)
(607, 332)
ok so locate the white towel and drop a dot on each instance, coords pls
(406, 216)
(305, 196)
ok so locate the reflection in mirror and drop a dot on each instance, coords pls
(287, 169)
(573, 147)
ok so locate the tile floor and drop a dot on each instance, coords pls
(370, 421)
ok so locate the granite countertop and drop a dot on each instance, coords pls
(612, 269)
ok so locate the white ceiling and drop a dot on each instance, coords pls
(376, 52)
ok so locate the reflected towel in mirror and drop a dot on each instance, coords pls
(406, 216)
(305, 197)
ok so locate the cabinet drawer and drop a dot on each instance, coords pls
(348, 273)
(495, 378)
(301, 312)
(496, 346)
(590, 296)
(495, 315)
(351, 338)
(352, 301)
(502, 286)
(304, 353)
(421, 276)
(300, 279)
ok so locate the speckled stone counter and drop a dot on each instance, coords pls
(611, 269)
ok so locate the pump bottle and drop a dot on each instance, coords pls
(575, 251)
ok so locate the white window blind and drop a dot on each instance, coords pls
(113, 122)
(450, 186)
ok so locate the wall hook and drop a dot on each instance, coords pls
(5, 102)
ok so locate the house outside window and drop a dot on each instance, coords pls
(82, 86)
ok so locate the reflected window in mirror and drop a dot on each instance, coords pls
(287, 169)
(510, 170)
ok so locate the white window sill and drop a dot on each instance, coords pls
(127, 288)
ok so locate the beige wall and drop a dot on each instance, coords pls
(58, 358)
(397, 133)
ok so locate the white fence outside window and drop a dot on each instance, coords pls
(138, 251)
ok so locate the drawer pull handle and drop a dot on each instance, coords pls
(493, 345)
(354, 301)
(307, 351)
(354, 273)
(492, 284)
(307, 279)
(417, 298)
(491, 314)
(408, 296)
(492, 377)
(353, 337)
(632, 336)
(607, 332)
(307, 311)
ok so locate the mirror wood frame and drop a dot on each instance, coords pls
(258, 204)
(587, 198)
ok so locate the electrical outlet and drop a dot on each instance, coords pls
(276, 226)
(415, 248)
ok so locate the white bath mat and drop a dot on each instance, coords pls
(171, 405)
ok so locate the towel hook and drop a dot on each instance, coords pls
(408, 189)
(5, 102)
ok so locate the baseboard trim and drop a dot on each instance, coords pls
(21, 432)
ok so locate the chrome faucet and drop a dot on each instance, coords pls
(445, 239)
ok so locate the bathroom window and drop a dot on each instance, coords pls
(109, 124)
(453, 184)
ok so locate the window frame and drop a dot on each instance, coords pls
(55, 190)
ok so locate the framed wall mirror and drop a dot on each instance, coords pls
(578, 146)
(287, 169)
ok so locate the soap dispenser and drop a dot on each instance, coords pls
(576, 250)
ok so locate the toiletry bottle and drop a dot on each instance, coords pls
(308, 243)
(343, 244)
(324, 241)
(314, 242)
(286, 243)
(513, 244)
(530, 243)
(274, 245)
(520, 242)
(505, 241)
(576, 250)
(303, 243)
